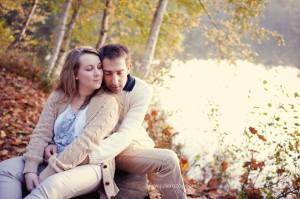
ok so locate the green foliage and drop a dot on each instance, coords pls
(232, 25)
(181, 16)
(6, 36)
(131, 23)
(12, 14)
(87, 26)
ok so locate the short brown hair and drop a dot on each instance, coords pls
(113, 51)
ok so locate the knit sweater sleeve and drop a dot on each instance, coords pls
(99, 127)
(139, 101)
(41, 135)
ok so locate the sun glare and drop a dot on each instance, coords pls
(213, 103)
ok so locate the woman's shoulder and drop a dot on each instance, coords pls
(107, 97)
(56, 96)
(106, 94)
(103, 100)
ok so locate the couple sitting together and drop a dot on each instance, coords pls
(87, 129)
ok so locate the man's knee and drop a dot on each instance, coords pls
(170, 159)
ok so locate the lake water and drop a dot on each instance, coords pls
(205, 95)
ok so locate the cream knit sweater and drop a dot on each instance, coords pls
(135, 104)
(102, 117)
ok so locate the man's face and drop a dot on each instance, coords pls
(115, 73)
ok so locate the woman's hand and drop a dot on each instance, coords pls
(32, 181)
(49, 150)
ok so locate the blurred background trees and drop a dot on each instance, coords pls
(43, 31)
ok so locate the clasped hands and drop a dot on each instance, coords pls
(32, 180)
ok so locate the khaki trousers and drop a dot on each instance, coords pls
(161, 166)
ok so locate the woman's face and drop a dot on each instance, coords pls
(90, 74)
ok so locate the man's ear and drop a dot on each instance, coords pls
(129, 67)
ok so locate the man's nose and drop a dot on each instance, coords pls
(115, 79)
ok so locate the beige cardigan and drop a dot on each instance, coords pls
(101, 120)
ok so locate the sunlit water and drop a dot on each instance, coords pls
(198, 86)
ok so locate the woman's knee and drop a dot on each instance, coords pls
(51, 187)
(12, 168)
(69, 183)
(11, 178)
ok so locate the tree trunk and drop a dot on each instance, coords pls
(71, 25)
(60, 36)
(25, 27)
(153, 36)
(104, 24)
(67, 38)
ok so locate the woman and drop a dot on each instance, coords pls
(77, 116)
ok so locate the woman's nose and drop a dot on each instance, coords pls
(97, 72)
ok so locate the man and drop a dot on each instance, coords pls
(130, 144)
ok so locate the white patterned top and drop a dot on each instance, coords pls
(67, 126)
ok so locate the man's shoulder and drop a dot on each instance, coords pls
(141, 85)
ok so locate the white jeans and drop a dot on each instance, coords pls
(67, 184)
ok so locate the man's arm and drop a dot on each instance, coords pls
(118, 141)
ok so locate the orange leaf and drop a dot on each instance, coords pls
(252, 130)
(184, 164)
(261, 137)
(224, 165)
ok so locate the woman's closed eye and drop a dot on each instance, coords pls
(91, 67)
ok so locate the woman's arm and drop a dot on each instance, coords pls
(41, 136)
(76, 152)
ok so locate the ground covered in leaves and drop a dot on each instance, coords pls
(20, 107)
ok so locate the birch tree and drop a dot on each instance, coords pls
(60, 36)
(67, 37)
(153, 36)
(25, 27)
(104, 24)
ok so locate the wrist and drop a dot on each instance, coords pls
(29, 174)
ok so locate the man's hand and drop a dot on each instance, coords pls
(49, 150)
(85, 161)
(32, 181)
(48, 171)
